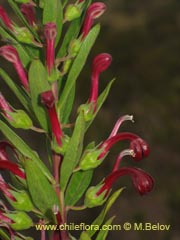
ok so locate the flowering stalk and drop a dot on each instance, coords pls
(10, 54)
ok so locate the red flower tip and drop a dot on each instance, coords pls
(142, 181)
(94, 11)
(10, 54)
(48, 99)
(28, 11)
(100, 63)
(140, 148)
(4, 107)
(5, 19)
(5, 189)
(50, 31)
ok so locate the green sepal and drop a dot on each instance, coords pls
(103, 233)
(72, 12)
(73, 152)
(60, 150)
(23, 201)
(92, 200)
(24, 35)
(99, 220)
(77, 186)
(74, 47)
(21, 220)
(90, 159)
(20, 120)
(88, 110)
(41, 191)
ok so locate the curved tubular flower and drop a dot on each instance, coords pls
(4, 187)
(138, 145)
(100, 63)
(50, 33)
(28, 11)
(48, 100)
(94, 11)
(5, 19)
(142, 181)
(10, 54)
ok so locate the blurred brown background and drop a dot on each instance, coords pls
(144, 39)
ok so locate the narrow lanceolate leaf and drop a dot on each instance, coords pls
(3, 235)
(23, 148)
(71, 33)
(84, 236)
(104, 232)
(77, 186)
(73, 152)
(99, 220)
(38, 84)
(42, 192)
(53, 12)
(100, 101)
(77, 65)
(19, 93)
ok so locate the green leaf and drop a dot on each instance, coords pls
(69, 105)
(4, 235)
(53, 12)
(19, 93)
(77, 65)
(42, 192)
(38, 84)
(73, 152)
(77, 186)
(24, 56)
(99, 220)
(103, 233)
(84, 236)
(23, 148)
(100, 101)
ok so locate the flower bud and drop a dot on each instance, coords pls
(20, 120)
(91, 198)
(24, 35)
(22, 201)
(90, 159)
(72, 12)
(21, 220)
